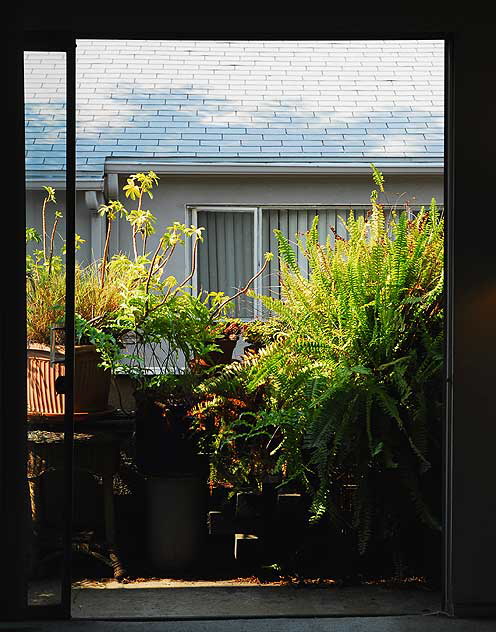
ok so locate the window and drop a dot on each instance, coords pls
(229, 256)
(236, 238)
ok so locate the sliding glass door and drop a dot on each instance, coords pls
(49, 87)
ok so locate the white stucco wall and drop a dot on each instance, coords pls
(175, 193)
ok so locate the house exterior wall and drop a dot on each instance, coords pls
(175, 193)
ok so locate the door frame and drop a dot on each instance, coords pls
(469, 285)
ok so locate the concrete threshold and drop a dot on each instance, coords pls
(409, 623)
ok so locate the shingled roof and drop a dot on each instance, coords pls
(302, 102)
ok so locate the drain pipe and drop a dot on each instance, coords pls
(93, 200)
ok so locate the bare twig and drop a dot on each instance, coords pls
(52, 237)
(105, 252)
(243, 290)
(43, 226)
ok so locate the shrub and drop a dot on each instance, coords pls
(353, 387)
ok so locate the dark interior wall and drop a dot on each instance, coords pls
(473, 320)
(13, 484)
(471, 433)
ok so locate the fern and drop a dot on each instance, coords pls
(351, 388)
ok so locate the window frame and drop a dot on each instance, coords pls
(191, 217)
(192, 211)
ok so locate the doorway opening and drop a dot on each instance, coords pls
(195, 485)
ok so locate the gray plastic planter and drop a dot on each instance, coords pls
(176, 520)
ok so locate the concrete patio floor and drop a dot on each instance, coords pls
(235, 598)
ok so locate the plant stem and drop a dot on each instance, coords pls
(105, 252)
(135, 231)
(135, 247)
(152, 265)
(163, 263)
(52, 237)
(190, 275)
(193, 265)
(43, 226)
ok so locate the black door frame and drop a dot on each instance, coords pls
(468, 555)
(67, 45)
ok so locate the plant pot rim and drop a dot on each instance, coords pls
(38, 346)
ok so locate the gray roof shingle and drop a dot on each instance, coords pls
(237, 101)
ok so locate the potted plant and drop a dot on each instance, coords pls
(173, 341)
(352, 412)
(164, 327)
(226, 341)
(168, 329)
(45, 305)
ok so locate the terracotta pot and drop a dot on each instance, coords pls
(224, 356)
(215, 358)
(91, 382)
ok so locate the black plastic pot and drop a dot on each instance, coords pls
(164, 444)
(176, 521)
(176, 484)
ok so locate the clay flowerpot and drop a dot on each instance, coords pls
(226, 343)
(91, 383)
(224, 356)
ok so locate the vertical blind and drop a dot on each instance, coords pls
(289, 222)
(226, 257)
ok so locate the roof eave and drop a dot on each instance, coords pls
(59, 183)
(130, 165)
(119, 166)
